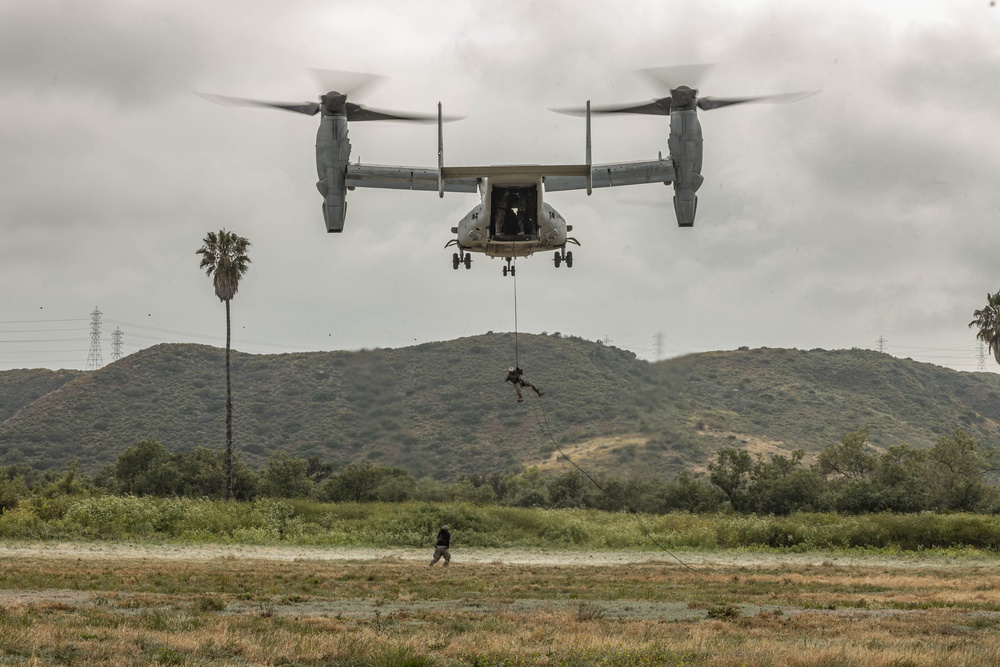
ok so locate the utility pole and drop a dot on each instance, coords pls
(116, 344)
(981, 357)
(94, 358)
(882, 342)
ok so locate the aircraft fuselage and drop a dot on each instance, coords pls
(512, 220)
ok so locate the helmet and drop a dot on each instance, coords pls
(510, 370)
(445, 527)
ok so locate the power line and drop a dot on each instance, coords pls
(77, 319)
(6, 331)
(933, 349)
(44, 340)
(9, 352)
(189, 335)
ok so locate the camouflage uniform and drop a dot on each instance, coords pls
(514, 377)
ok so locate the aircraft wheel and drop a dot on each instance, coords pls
(512, 270)
(505, 270)
(468, 261)
(454, 261)
(569, 259)
(557, 259)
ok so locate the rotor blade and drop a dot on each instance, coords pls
(351, 84)
(665, 79)
(308, 108)
(660, 107)
(709, 103)
(356, 112)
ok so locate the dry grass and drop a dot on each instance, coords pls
(228, 611)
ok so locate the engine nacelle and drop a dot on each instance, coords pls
(685, 207)
(686, 201)
(685, 144)
(335, 213)
(333, 151)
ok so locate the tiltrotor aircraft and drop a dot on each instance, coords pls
(512, 218)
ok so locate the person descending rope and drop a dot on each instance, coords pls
(515, 378)
(514, 373)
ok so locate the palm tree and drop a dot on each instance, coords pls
(224, 258)
(988, 322)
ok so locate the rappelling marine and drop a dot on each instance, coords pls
(514, 376)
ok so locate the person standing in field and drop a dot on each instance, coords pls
(443, 542)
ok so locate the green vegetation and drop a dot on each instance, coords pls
(414, 524)
(440, 410)
(848, 478)
(852, 497)
(21, 387)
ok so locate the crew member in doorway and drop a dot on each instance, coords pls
(514, 376)
(441, 550)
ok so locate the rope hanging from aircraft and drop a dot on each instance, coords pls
(543, 421)
(517, 360)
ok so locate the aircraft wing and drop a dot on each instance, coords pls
(613, 175)
(406, 178)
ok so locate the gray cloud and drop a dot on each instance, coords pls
(866, 210)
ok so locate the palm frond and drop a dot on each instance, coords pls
(987, 321)
(225, 260)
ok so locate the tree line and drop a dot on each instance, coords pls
(850, 477)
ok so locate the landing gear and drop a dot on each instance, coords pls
(467, 260)
(563, 256)
(464, 258)
(509, 268)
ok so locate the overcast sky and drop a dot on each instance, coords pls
(868, 210)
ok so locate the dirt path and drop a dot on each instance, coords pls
(379, 607)
(118, 551)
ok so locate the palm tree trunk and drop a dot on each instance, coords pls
(229, 413)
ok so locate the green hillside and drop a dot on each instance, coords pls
(20, 387)
(810, 399)
(442, 409)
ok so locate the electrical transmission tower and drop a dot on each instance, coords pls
(882, 342)
(94, 358)
(981, 357)
(116, 344)
(658, 342)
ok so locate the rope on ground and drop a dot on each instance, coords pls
(543, 420)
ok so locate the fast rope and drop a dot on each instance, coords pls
(513, 274)
(543, 420)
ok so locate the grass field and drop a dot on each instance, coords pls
(105, 603)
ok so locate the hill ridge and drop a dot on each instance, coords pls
(443, 409)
